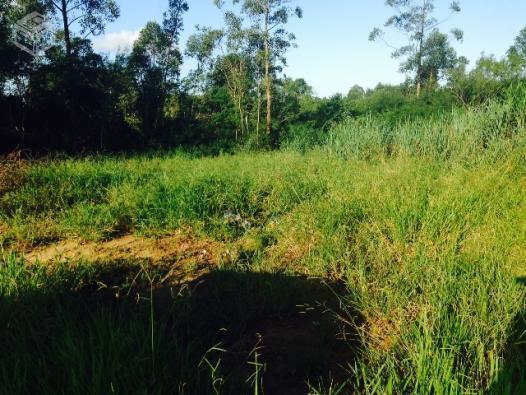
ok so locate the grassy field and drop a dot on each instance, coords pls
(387, 260)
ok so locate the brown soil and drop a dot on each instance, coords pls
(188, 258)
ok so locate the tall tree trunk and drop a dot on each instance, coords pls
(65, 22)
(259, 109)
(420, 49)
(241, 116)
(431, 82)
(419, 69)
(267, 70)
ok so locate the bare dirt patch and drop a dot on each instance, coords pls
(187, 257)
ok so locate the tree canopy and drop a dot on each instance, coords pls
(234, 93)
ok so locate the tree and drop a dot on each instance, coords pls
(297, 87)
(415, 19)
(438, 57)
(356, 93)
(517, 53)
(155, 64)
(201, 46)
(173, 20)
(490, 78)
(91, 15)
(71, 102)
(13, 62)
(269, 18)
(227, 51)
(520, 44)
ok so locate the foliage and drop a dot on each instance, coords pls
(81, 102)
(90, 15)
(428, 53)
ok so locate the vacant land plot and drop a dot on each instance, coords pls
(387, 260)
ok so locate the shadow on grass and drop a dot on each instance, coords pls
(512, 377)
(122, 330)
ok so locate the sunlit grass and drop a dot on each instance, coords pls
(425, 223)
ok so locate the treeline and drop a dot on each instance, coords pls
(71, 99)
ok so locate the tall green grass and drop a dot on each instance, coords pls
(425, 222)
(465, 135)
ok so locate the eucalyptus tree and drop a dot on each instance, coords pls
(202, 46)
(227, 51)
(238, 65)
(90, 15)
(416, 19)
(269, 18)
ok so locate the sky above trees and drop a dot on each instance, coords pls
(333, 51)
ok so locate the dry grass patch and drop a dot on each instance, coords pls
(12, 172)
(187, 257)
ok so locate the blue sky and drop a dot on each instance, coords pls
(333, 51)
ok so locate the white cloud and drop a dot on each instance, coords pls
(117, 41)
